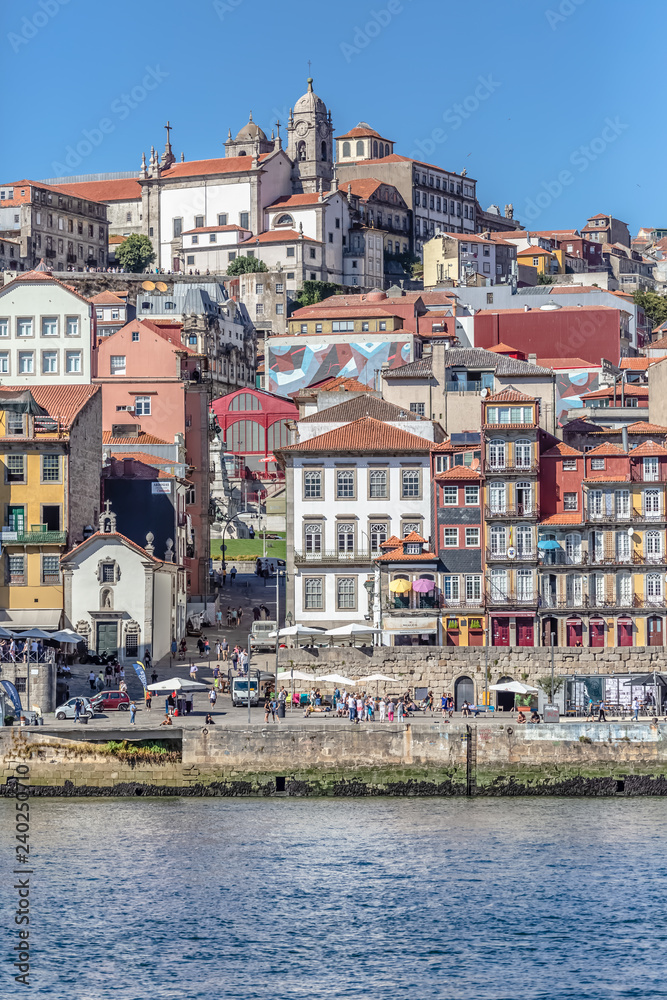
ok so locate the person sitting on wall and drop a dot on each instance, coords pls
(521, 719)
(535, 717)
(166, 721)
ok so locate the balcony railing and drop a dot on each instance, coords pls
(649, 558)
(638, 475)
(555, 558)
(37, 537)
(521, 510)
(333, 557)
(463, 385)
(607, 516)
(586, 601)
(509, 468)
(502, 556)
(511, 598)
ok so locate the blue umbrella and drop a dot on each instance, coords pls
(548, 543)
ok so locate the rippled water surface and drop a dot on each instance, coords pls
(422, 898)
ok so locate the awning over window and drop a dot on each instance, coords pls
(20, 618)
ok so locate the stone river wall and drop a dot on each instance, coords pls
(320, 758)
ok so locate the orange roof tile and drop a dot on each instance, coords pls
(143, 456)
(399, 555)
(628, 390)
(222, 165)
(362, 187)
(365, 434)
(140, 438)
(509, 396)
(342, 384)
(62, 402)
(278, 236)
(448, 446)
(564, 518)
(107, 535)
(503, 349)
(30, 277)
(360, 130)
(413, 537)
(648, 448)
(606, 449)
(534, 252)
(108, 298)
(216, 229)
(565, 363)
(660, 344)
(294, 200)
(459, 472)
(392, 543)
(121, 189)
(562, 450)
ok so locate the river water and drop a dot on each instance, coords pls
(422, 898)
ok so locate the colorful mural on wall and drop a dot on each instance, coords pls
(291, 367)
(570, 386)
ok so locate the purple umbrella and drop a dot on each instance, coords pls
(423, 586)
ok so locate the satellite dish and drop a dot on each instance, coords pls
(631, 532)
(484, 393)
(511, 552)
(161, 286)
(148, 286)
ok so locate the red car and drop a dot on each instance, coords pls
(108, 701)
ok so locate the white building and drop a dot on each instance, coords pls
(121, 597)
(111, 312)
(349, 490)
(46, 332)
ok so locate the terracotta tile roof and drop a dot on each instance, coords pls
(107, 535)
(122, 189)
(108, 299)
(143, 456)
(167, 331)
(398, 554)
(278, 236)
(140, 438)
(659, 344)
(222, 165)
(565, 363)
(216, 229)
(606, 449)
(338, 311)
(42, 277)
(360, 406)
(638, 364)
(648, 448)
(449, 447)
(365, 434)
(503, 349)
(509, 396)
(413, 537)
(413, 369)
(342, 383)
(562, 450)
(459, 472)
(628, 390)
(62, 402)
(639, 427)
(564, 518)
(592, 218)
(362, 187)
(294, 200)
(534, 252)
(359, 131)
(392, 543)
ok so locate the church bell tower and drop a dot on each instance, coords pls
(310, 143)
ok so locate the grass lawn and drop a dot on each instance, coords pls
(249, 548)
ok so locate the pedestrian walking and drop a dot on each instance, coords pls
(383, 709)
(154, 677)
(224, 575)
(240, 615)
(174, 648)
(212, 697)
(133, 713)
(267, 708)
(149, 699)
(200, 646)
(148, 659)
(193, 671)
(77, 709)
(232, 575)
(91, 680)
(207, 647)
(601, 712)
(224, 647)
(390, 710)
(635, 708)
(256, 614)
(218, 618)
(399, 709)
(274, 710)
(100, 681)
(121, 674)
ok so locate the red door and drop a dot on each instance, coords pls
(475, 638)
(574, 633)
(596, 634)
(500, 628)
(655, 631)
(525, 632)
(624, 633)
(452, 637)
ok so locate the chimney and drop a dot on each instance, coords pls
(532, 359)
(128, 466)
(624, 438)
(526, 309)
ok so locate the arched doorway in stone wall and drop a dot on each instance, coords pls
(464, 690)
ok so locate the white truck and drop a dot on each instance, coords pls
(259, 636)
(240, 691)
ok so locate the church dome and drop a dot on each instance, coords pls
(310, 101)
(250, 132)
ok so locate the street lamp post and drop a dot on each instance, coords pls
(279, 573)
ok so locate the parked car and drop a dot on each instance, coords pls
(110, 701)
(66, 710)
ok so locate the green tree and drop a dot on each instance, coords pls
(654, 305)
(315, 291)
(135, 253)
(546, 279)
(545, 683)
(246, 265)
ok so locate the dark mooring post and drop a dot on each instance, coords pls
(471, 760)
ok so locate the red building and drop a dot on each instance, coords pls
(588, 332)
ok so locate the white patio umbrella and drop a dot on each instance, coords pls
(337, 679)
(353, 629)
(514, 687)
(67, 635)
(295, 675)
(376, 677)
(178, 684)
(295, 630)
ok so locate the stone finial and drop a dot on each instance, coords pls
(182, 157)
(143, 172)
(150, 548)
(107, 521)
(169, 554)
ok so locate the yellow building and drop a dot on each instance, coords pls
(544, 261)
(51, 451)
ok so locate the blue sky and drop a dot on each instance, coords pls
(553, 105)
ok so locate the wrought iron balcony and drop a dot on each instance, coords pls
(511, 598)
(511, 468)
(36, 537)
(502, 557)
(333, 557)
(521, 511)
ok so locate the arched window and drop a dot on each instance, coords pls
(653, 546)
(498, 497)
(360, 147)
(375, 149)
(522, 454)
(301, 150)
(347, 151)
(245, 401)
(245, 437)
(345, 535)
(498, 540)
(284, 220)
(323, 150)
(312, 536)
(573, 547)
(524, 498)
(278, 435)
(243, 153)
(497, 453)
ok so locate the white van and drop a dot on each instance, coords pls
(240, 691)
(259, 636)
